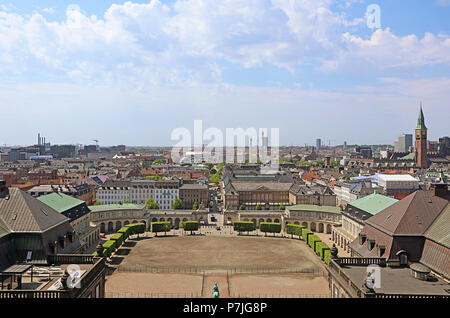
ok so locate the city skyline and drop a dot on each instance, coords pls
(131, 72)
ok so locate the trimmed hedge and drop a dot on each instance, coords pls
(320, 247)
(312, 239)
(243, 226)
(109, 247)
(294, 229)
(326, 256)
(305, 233)
(125, 231)
(157, 227)
(270, 227)
(189, 226)
(136, 228)
(118, 237)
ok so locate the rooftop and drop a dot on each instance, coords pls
(316, 208)
(110, 207)
(373, 203)
(60, 201)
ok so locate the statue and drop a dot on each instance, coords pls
(334, 252)
(215, 292)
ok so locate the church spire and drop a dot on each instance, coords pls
(421, 120)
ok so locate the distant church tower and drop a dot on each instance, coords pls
(421, 141)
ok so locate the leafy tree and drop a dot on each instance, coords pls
(195, 206)
(189, 226)
(215, 178)
(177, 204)
(158, 161)
(242, 226)
(156, 227)
(242, 207)
(97, 202)
(281, 208)
(150, 204)
(126, 201)
(258, 207)
(269, 227)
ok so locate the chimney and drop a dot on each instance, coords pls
(440, 190)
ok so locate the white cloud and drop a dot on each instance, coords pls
(185, 43)
(48, 10)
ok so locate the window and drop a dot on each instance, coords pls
(370, 244)
(381, 250)
(362, 239)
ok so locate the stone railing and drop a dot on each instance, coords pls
(57, 259)
(361, 261)
(34, 294)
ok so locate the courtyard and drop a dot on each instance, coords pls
(243, 266)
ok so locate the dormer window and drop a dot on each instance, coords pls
(380, 250)
(370, 244)
(362, 239)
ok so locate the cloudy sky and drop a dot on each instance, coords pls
(131, 72)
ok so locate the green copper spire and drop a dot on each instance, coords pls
(421, 120)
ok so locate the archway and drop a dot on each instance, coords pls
(328, 228)
(161, 220)
(276, 221)
(170, 221)
(135, 221)
(297, 223)
(102, 227)
(305, 224)
(118, 225)
(110, 227)
(126, 222)
(269, 220)
(320, 227)
(177, 223)
(254, 223)
(313, 226)
(261, 220)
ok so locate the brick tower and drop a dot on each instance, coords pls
(421, 141)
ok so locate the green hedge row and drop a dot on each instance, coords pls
(268, 227)
(118, 238)
(294, 229)
(312, 239)
(157, 227)
(305, 233)
(189, 226)
(243, 226)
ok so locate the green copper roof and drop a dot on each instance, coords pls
(112, 207)
(59, 201)
(410, 156)
(421, 120)
(316, 208)
(373, 203)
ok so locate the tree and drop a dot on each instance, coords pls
(156, 227)
(242, 207)
(126, 201)
(281, 208)
(150, 204)
(158, 161)
(177, 204)
(195, 206)
(189, 226)
(258, 207)
(97, 202)
(269, 227)
(242, 226)
(294, 229)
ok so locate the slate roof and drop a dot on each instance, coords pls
(20, 212)
(439, 231)
(411, 215)
(60, 202)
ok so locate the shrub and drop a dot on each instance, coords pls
(270, 227)
(157, 227)
(294, 229)
(312, 239)
(305, 233)
(326, 256)
(118, 237)
(136, 228)
(244, 226)
(109, 247)
(125, 231)
(321, 247)
(189, 226)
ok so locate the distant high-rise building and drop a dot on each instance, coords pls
(421, 141)
(318, 143)
(345, 145)
(405, 143)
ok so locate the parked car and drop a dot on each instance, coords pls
(218, 228)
